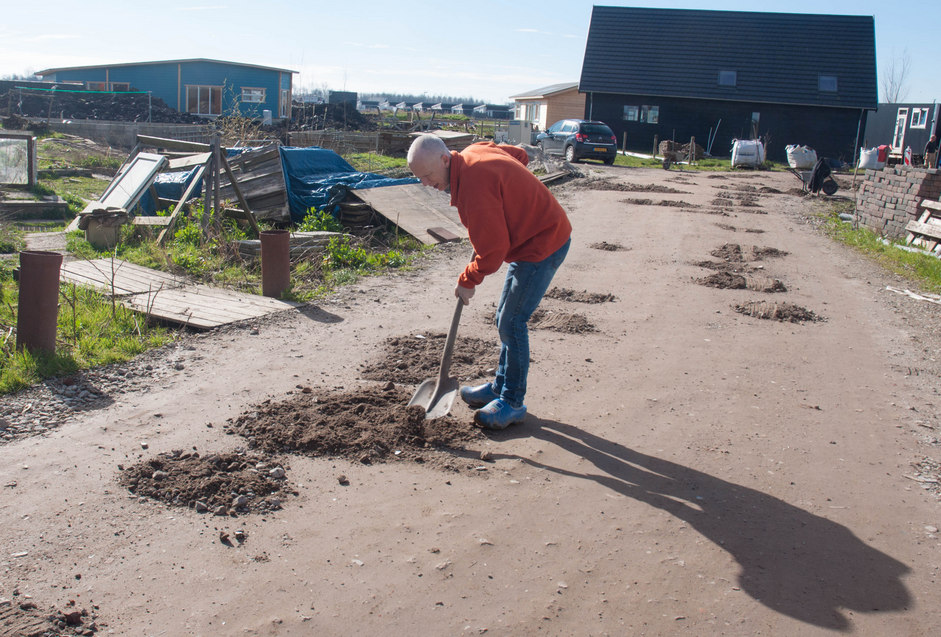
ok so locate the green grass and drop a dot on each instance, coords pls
(921, 269)
(91, 331)
(374, 162)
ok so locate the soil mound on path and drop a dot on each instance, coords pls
(608, 247)
(784, 312)
(225, 483)
(565, 294)
(561, 322)
(366, 425)
(411, 359)
(603, 184)
(727, 280)
(25, 619)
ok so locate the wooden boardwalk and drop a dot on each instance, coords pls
(168, 297)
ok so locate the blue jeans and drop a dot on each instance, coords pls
(526, 283)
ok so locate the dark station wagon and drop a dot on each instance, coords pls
(577, 139)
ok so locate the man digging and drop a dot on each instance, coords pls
(510, 217)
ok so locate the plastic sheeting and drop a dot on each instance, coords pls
(319, 178)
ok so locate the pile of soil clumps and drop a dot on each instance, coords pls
(26, 619)
(411, 359)
(608, 247)
(343, 116)
(224, 484)
(367, 425)
(564, 322)
(120, 107)
(604, 184)
(735, 252)
(784, 312)
(565, 294)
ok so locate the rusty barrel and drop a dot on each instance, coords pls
(275, 262)
(38, 307)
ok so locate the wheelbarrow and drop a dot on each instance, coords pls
(822, 171)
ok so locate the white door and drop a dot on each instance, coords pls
(899, 138)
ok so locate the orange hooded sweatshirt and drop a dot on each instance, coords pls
(509, 214)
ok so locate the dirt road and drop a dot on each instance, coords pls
(687, 466)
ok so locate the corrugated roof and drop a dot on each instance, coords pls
(123, 64)
(545, 90)
(776, 57)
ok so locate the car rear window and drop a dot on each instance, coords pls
(596, 129)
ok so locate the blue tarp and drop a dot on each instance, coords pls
(319, 178)
(173, 185)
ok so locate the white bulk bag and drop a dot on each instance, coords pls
(869, 159)
(747, 152)
(801, 157)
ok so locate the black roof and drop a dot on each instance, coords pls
(776, 57)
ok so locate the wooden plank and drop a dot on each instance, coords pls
(189, 161)
(173, 144)
(140, 220)
(129, 278)
(168, 297)
(443, 235)
(926, 229)
(415, 208)
(932, 205)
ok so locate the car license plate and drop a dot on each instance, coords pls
(600, 150)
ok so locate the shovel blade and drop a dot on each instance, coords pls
(436, 399)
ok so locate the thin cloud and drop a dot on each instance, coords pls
(51, 36)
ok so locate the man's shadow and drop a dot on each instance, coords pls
(792, 561)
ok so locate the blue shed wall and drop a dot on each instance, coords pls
(169, 80)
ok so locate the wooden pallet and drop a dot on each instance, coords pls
(926, 232)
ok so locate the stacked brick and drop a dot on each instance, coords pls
(888, 199)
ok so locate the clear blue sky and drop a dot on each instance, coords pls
(485, 49)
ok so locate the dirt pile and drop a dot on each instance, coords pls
(342, 116)
(224, 484)
(413, 358)
(25, 619)
(365, 425)
(565, 294)
(120, 107)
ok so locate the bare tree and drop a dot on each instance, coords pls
(895, 78)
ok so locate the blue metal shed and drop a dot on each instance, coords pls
(200, 86)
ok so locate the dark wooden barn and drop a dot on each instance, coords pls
(724, 75)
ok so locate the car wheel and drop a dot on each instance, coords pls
(542, 147)
(609, 161)
(570, 154)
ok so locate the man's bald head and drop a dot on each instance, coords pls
(430, 160)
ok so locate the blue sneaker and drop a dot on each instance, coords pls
(479, 396)
(499, 415)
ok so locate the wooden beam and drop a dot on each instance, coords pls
(173, 144)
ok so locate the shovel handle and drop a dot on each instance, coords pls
(449, 344)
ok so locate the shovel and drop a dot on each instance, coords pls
(437, 395)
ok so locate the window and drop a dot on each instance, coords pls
(96, 86)
(826, 83)
(204, 100)
(728, 78)
(253, 95)
(630, 113)
(919, 117)
(650, 114)
(119, 86)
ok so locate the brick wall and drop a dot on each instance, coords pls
(888, 199)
